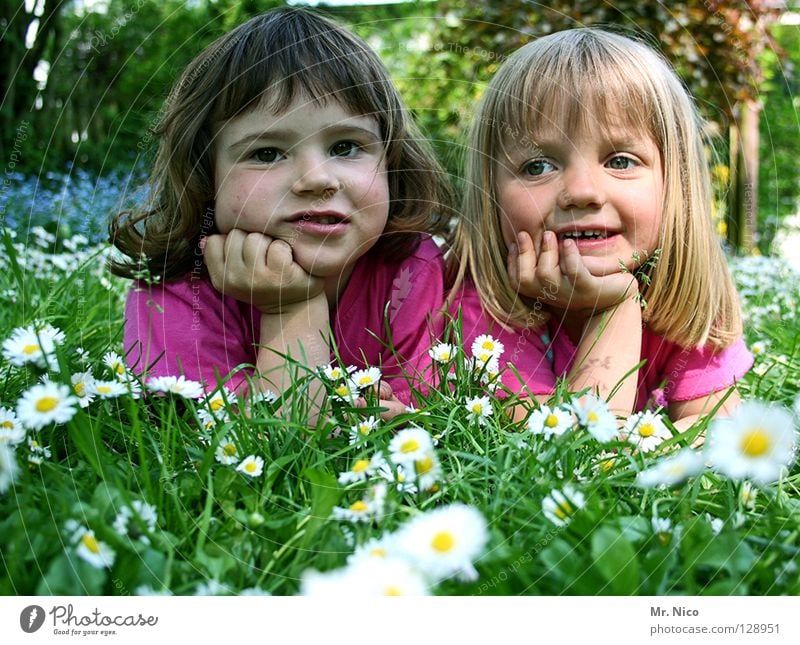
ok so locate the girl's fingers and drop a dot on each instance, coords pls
(572, 265)
(254, 250)
(512, 262)
(279, 256)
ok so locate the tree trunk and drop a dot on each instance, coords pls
(743, 195)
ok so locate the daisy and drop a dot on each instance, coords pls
(382, 547)
(346, 392)
(549, 422)
(485, 363)
(445, 541)
(716, 524)
(11, 430)
(96, 553)
(672, 470)
(213, 588)
(81, 383)
(594, 415)
(396, 474)
(758, 442)
(8, 466)
(747, 495)
(179, 385)
(485, 345)
(366, 509)
(81, 355)
(479, 408)
(115, 362)
(442, 353)
(35, 344)
(207, 419)
(38, 452)
(561, 505)
(490, 377)
(427, 471)
(216, 402)
(387, 577)
(46, 403)
(143, 512)
(359, 471)
(334, 372)
(759, 347)
(227, 453)
(363, 379)
(265, 396)
(362, 429)
(646, 430)
(107, 389)
(251, 466)
(409, 445)
(662, 529)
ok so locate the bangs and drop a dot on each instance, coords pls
(599, 88)
(271, 66)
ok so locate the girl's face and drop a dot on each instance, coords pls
(312, 176)
(603, 188)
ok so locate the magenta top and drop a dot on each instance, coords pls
(540, 355)
(199, 330)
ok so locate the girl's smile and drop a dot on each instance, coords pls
(313, 176)
(601, 190)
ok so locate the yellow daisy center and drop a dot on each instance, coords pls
(342, 390)
(337, 373)
(7, 424)
(563, 510)
(34, 444)
(364, 428)
(477, 408)
(756, 442)
(119, 368)
(443, 542)
(484, 357)
(229, 450)
(30, 349)
(592, 417)
(551, 421)
(360, 466)
(393, 591)
(424, 466)
(90, 543)
(647, 430)
(412, 445)
(445, 356)
(250, 467)
(358, 507)
(488, 345)
(80, 389)
(378, 552)
(365, 380)
(217, 404)
(103, 389)
(46, 404)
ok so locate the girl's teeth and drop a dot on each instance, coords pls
(584, 235)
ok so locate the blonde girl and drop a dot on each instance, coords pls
(291, 196)
(587, 191)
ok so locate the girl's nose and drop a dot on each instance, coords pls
(315, 177)
(581, 188)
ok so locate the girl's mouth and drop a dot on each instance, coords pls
(583, 235)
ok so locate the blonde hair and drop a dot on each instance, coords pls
(574, 78)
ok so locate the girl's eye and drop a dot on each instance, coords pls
(538, 167)
(344, 148)
(621, 163)
(267, 155)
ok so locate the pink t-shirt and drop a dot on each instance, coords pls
(540, 355)
(199, 330)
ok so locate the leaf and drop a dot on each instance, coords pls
(325, 493)
(616, 560)
(68, 575)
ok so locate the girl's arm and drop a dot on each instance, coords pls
(684, 414)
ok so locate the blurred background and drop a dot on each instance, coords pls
(83, 83)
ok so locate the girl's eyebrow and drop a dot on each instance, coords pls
(284, 135)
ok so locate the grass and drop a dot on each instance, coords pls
(218, 530)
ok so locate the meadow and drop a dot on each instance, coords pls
(109, 485)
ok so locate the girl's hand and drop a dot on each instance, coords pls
(560, 279)
(258, 269)
(386, 399)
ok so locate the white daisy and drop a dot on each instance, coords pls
(594, 415)
(179, 385)
(444, 542)
(207, 419)
(427, 471)
(96, 553)
(11, 430)
(672, 470)
(759, 347)
(44, 404)
(561, 505)
(368, 508)
(216, 402)
(409, 445)
(363, 379)
(8, 466)
(107, 389)
(34, 344)
(265, 396)
(346, 392)
(37, 452)
(375, 577)
(550, 421)
(747, 495)
(334, 372)
(485, 345)
(115, 362)
(251, 466)
(485, 363)
(663, 530)
(382, 547)
(397, 474)
(148, 590)
(716, 524)
(362, 429)
(144, 516)
(227, 453)
(359, 471)
(479, 408)
(796, 406)
(81, 383)
(81, 355)
(758, 442)
(443, 352)
(490, 377)
(646, 430)
(213, 588)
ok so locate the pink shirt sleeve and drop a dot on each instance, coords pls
(187, 327)
(524, 349)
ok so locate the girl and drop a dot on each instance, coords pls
(288, 192)
(587, 191)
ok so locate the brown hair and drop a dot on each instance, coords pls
(273, 58)
(571, 78)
